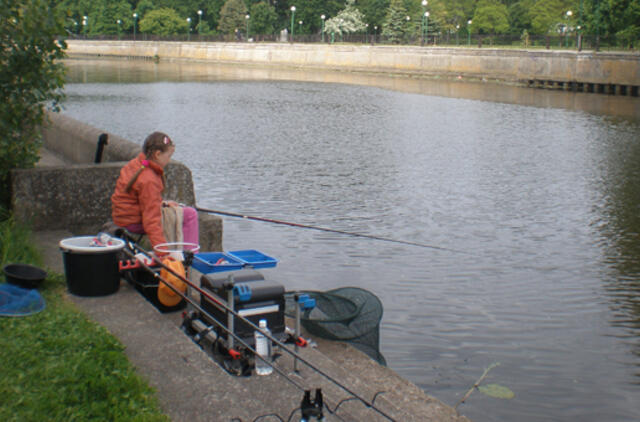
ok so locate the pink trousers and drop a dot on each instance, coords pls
(189, 226)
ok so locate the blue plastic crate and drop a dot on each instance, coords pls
(208, 262)
(253, 258)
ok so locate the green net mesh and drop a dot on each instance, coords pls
(348, 314)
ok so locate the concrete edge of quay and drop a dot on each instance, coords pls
(608, 72)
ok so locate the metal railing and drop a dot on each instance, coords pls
(554, 42)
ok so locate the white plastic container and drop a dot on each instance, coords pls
(263, 348)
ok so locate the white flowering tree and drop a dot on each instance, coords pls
(347, 21)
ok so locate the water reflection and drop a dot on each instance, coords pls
(136, 71)
(543, 199)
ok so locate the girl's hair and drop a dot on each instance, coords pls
(157, 141)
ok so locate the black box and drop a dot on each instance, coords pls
(254, 298)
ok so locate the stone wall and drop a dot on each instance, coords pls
(500, 64)
(77, 196)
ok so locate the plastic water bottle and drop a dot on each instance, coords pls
(263, 348)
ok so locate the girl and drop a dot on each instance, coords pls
(137, 201)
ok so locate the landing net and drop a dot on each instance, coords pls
(16, 301)
(348, 314)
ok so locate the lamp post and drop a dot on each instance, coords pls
(424, 6)
(119, 22)
(566, 35)
(375, 32)
(426, 25)
(293, 14)
(85, 22)
(135, 18)
(598, 25)
(189, 33)
(199, 22)
(300, 27)
(580, 27)
(469, 22)
(457, 33)
(247, 17)
(366, 33)
(323, 17)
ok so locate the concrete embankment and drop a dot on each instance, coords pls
(615, 73)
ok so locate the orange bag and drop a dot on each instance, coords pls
(166, 296)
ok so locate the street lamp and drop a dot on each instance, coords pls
(85, 22)
(426, 25)
(300, 28)
(375, 32)
(135, 18)
(199, 22)
(366, 32)
(469, 22)
(566, 36)
(323, 17)
(118, 22)
(580, 28)
(598, 25)
(457, 33)
(189, 33)
(424, 5)
(293, 13)
(247, 19)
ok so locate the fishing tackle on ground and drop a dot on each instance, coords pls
(226, 297)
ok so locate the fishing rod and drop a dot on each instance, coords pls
(206, 294)
(325, 229)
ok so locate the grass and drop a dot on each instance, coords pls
(58, 365)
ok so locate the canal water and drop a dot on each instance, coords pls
(535, 196)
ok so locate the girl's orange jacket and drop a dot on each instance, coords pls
(142, 203)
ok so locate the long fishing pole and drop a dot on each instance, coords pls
(206, 294)
(325, 229)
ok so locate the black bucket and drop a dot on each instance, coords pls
(91, 270)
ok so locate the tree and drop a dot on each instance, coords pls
(374, 11)
(347, 21)
(491, 17)
(143, 7)
(395, 26)
(163, 21)
(309, 12)
(519, 17)
(263, 18)
(546, 15)
(104, 20)
(625, 18)
(31, 80)
(232, 16)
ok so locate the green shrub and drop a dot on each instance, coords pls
(30, 79)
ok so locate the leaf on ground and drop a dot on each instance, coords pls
(497, 391)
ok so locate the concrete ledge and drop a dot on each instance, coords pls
(76, 196)
(77, 141)
(499, 64)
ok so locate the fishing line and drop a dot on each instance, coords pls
(329, 230)
(245, 320)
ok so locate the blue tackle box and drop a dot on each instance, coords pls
(215, 262)
(254, 259)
